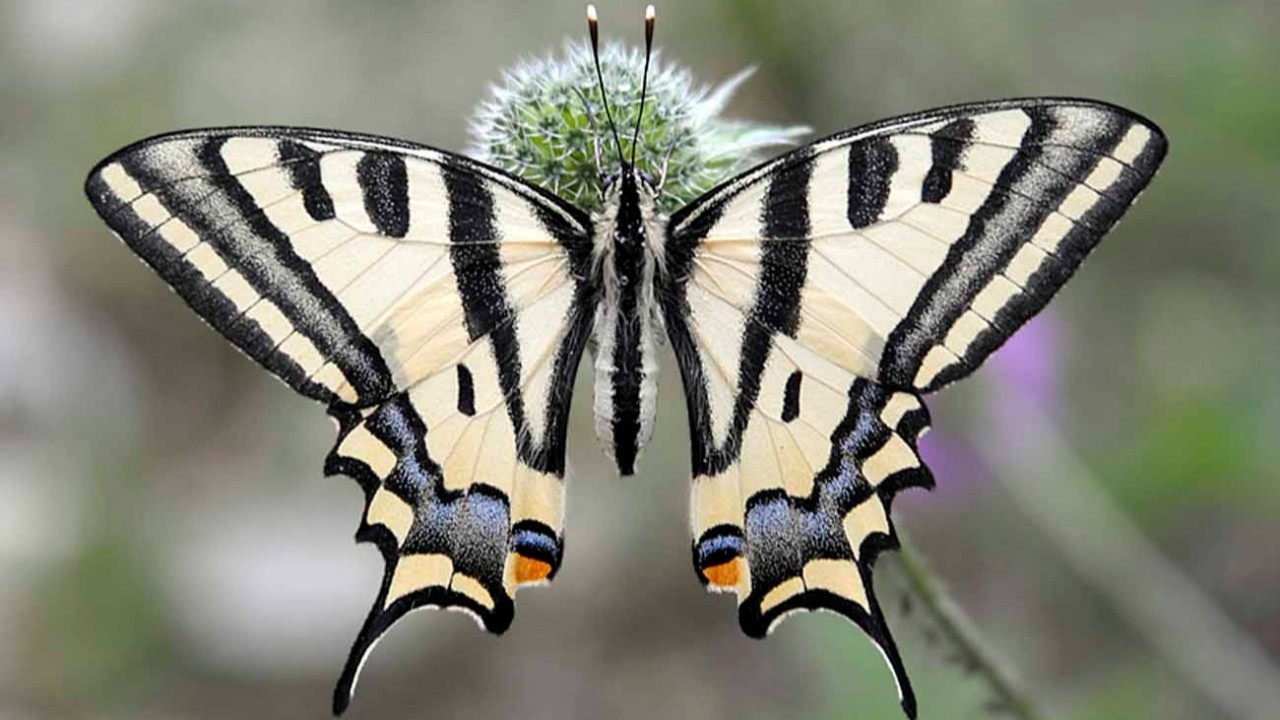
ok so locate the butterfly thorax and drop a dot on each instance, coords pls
(627, 251)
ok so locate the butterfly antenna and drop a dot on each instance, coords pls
(650, 16)
(593, 24)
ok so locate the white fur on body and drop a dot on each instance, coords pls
(604, 332)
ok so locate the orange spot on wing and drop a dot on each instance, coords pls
(724, 574)
(530, 570)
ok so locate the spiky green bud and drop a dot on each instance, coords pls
(543, 120)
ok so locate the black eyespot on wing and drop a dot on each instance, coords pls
(713, 552)
(537, 541)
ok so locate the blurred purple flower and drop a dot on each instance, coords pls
(955, 464)
(1026, 370)
(1028, 363)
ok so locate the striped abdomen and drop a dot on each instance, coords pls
(626, 334)
(626, 384)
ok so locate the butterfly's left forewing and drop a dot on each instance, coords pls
(813, 300)
(439, 308)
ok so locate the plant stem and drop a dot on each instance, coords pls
(963, 635)
(1054, 486)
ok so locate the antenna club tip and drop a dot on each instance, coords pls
(650, 12)
(591, 13)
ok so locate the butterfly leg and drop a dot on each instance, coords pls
(666, 164)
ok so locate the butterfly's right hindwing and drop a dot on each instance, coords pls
(439, 307)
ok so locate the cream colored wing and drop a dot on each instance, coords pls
(812, 300)
(437, 306)
(341, 263)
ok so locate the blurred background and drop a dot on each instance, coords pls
(1108, 504)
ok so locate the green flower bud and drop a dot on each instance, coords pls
(543, 121)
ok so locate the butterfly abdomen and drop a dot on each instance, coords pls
(626, 336)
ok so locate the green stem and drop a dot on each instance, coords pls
(961, 633)
(1049, 481)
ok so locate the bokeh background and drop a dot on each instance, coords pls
(1108, 504)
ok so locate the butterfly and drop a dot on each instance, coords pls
(440, 308)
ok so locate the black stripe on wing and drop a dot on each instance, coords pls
(488, 313)
(304, 174)
(775, 309)
(385, 181)
(948, 148)
(190, 179)
(872, 164)
(1054, 159)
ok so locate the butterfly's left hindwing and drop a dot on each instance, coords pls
(811, 301)
(439, 307)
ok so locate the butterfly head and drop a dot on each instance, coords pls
(629, 182)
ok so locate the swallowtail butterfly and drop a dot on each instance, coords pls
(440, 307)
